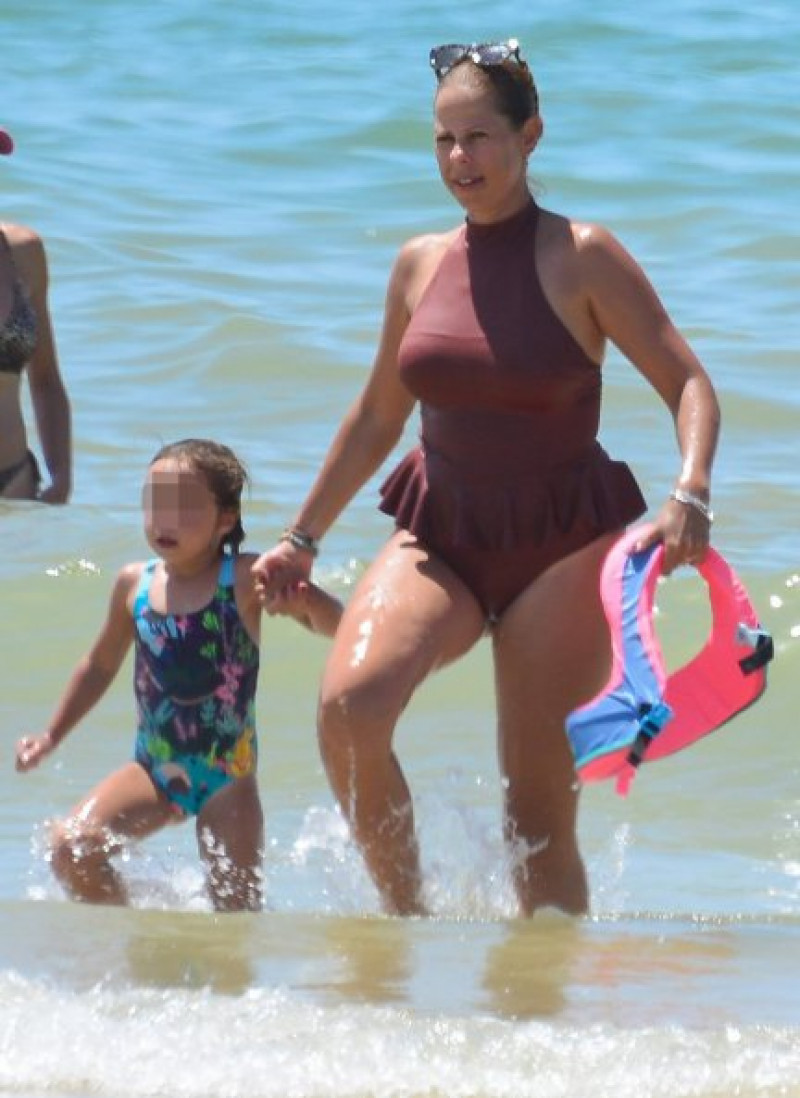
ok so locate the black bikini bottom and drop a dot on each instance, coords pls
(8, 474)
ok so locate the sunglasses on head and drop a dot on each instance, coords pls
(487, 54)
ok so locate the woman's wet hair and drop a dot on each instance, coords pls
(511, 83)
(222, 471)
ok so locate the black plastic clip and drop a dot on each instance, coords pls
(763, 648)
(652, 719)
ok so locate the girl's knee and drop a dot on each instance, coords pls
(65, 847)
(76, 847)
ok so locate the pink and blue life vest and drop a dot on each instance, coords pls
(642, 713)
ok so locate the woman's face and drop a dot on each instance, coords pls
(482, 159)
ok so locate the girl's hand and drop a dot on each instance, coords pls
(276, 572)
(31, 750)
(309, 605)
(685, 534)
(292, 602)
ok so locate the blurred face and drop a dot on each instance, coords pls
(182, 519)
(482, 159)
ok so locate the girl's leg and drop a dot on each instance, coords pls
(126, 804)
(552, 652)
(230, 838)
(409, 615)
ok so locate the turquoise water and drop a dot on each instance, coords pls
(222, 189)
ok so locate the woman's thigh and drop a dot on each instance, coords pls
(552, 652)
(409, 615)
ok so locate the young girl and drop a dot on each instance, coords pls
(193, 615)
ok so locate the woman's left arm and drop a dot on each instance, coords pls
(628, 311)
(49, 398)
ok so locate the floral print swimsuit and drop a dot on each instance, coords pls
(195, 679)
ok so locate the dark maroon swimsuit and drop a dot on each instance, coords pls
(508, 477)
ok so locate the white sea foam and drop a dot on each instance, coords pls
(265, 1044)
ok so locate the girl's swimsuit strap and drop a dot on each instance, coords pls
(143, 588)
(227, 571)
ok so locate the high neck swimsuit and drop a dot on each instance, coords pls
(195, 679)
(508, 477)
(17, 344)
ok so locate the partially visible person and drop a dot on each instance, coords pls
(27, 346)
(505, 511)
(193, 615)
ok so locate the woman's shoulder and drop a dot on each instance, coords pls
(26, 244)
(27, 248)
(574, 233)
(421, 248)
(20, 236)
(417, 259)
(585, 251)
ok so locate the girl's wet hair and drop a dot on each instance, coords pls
(223, 472)
(511, 81)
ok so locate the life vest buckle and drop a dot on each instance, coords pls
(652, 719)
(761, 643)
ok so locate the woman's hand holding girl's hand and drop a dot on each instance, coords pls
(292, 602)
(279, 571)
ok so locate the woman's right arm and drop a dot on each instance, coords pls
(91, 678)
(368, 433)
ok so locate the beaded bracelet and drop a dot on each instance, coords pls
(691, 500)
(300, 540)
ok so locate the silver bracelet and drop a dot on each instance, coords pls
(692, 500)
(300, 540)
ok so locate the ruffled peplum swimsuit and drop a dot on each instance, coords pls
(508, 476)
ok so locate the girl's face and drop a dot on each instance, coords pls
(482, 159)
(182, 520)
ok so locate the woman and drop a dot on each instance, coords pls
(505, 511)
(26, 342)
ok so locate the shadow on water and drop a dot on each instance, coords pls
(634, 970)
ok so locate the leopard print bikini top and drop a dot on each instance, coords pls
(18, 330)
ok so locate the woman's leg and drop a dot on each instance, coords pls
(552, 652)
(409, 615)
(126, 804)
(230, 838)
